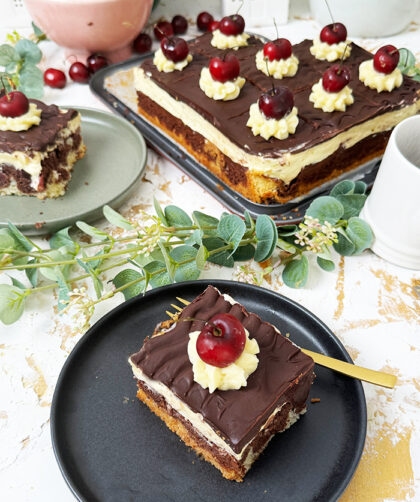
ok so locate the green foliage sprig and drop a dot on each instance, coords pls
(19, 59)
(172, 246)
(407, 64)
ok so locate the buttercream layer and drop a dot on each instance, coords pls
(284, 373)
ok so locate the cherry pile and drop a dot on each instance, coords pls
(78, 71)
(221, 341)
(228, 25)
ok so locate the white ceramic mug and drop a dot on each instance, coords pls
(393, 207)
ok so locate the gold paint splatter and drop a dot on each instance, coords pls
(4, 415)
(385, 470)
(38, 384)
(361, 323)
(165, 188)
(354, 353)
(25, 442)
(339, 286)
(396, 299)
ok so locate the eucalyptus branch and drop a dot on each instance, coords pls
(171, 247)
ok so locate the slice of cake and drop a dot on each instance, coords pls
(223, 380)
(38, 149)
(319, 143)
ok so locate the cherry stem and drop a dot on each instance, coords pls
(275, 26)
(162, 33)
(342, 59)
(216, 331)
(4, 88)
(239, 8)
(329, 10)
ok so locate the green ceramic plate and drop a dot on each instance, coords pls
(108, 174)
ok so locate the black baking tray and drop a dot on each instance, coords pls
(282, 214)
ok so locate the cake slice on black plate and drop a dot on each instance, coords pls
(39, 145)
(224, 380)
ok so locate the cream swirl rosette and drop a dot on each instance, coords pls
(330, 52)
(278, 68)
(23, 122)
(225, 91)
(232, 377)
(331, 101)
(221, 41)
(377, 80)
(164, 64)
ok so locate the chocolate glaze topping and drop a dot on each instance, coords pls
(315, 126)
(237, 415)
(37, 138)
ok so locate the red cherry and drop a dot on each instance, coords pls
(13, 104)
(333, 33)
(386, 59)
(336, 78)
(163, 29)
(278, 49)
(224, 70)
(95, 62)
(221, 341)
(143, 43)
(277, 103)
(174, 48)
(54, 78)
(79, 73)
(214, 25)
(204, 19)
(232, 25)
(179, 24)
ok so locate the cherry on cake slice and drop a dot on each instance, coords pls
(39, 145)
(223, 380)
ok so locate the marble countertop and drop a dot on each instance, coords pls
(369, 304)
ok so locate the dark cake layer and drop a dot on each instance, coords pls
(36, 139)
(282, 365)
(315, 126)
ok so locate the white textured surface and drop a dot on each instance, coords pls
(367, 302)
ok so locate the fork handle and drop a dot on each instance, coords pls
(371, 376)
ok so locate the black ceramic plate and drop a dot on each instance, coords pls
(110, 447)
(290, 212)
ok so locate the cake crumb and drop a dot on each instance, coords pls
(315, 400)
(39, 224)
(126, 400)
(287, 335)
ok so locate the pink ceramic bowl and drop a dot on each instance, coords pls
(92, 26)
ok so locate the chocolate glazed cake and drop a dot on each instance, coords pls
(324, 146)
(39, 161)
(229, 428)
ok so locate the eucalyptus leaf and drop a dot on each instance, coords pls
(92, 231)
(97, 283)
(12, 303)
(360, 187)
(183, 253)
(32, 274)
(231, 229)
(157, 255)
(203, 220)
(31, 81)
(63, 292)
(6, 240)
(187, 272)
(223, 258)
(126, 276)
(28, 51)
(326, 208)
(244, 253)
(161, 277)
(8, 54)
(177, 217)
(37, 31)
(287, 230)
(196, 237)
(360, 234)
(327, 265)
(159, 212)
(286, 246)
(23, 242)
(266, 233)
(344, 245)
(342, 188)
(116, 219)
(295, 273)
(142, 260)
(17, 283)
(407, 60)
(62, 238)
(169, 262)
(352, 204)
(201, 257)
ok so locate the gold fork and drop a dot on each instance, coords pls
(365, 374)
